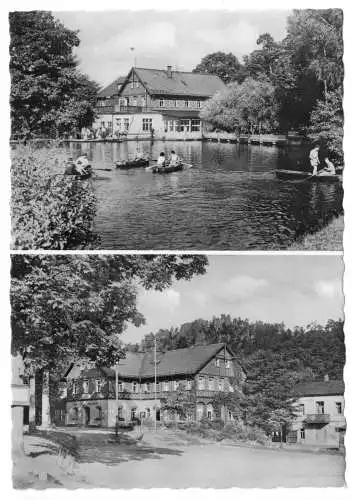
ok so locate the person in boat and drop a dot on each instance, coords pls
(82, 164)
(314, 158)
(139, 156)
(174, 159)
(329, 168)
(161, 160)
(70, 167)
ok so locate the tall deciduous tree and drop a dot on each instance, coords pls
(75, 307)
(226, 66)
(47, 91)
(249, 107)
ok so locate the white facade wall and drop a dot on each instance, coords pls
(320, 434)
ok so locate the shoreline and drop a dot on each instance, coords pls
(328, 238)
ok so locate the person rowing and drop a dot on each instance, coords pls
(174, 159)
(161, 160)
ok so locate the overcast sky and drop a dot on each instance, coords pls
(295, 289)
(160, 38)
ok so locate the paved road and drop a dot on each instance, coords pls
(218, 466)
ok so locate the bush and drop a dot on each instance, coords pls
(49, 210)
(240, 432)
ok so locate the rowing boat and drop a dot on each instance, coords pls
(298, 175)
(71, 170)
(132, 163)
(167, 170)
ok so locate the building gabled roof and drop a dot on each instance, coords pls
(113, 88)
(180, 83)
(187, 361)
(320, 388)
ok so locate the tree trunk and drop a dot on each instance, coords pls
(17, 432)
(32, 404)
(46, 418)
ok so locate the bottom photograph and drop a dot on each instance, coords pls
(177, 371)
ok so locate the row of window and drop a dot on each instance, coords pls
(210, 383)
(320, 408)
(183, 125)
(163, 103)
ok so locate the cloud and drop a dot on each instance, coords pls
(240, 288)
(198, 298)
(239, 38)
(331, 289)
(166, 301)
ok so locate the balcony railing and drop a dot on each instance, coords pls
(164, 394)
(317, 418)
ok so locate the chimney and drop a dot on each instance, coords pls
(169, 71)
(326, 378)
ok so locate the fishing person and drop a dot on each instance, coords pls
(314, 158)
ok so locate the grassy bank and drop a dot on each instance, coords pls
(328, 238)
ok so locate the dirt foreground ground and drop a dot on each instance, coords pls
(173, 460)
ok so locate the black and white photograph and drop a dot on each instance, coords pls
(185, 130)
(174, 287)
(228, 369)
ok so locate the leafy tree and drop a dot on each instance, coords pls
(47, 93)
(326, 124)
(226, 66)
(181, 402)
(249, 107)
(49, 210)
(315, 38)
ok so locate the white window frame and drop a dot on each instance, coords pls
(135, 387)
(74, 388)
(85, 385)
(98, 385)
(221, 384)
(186, 104)
(166, 387)
(120, 386)
(188, 385)
(320, 407)
(198, 104)
(338, 406)
(227, 363)
(161, 103)
(176, 385)
(201, 383)
(211, 384)
(147, 387)
(217, 362)
(147, 124)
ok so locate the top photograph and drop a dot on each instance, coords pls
(187, 130)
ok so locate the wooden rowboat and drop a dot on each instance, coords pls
(167, 170)
(86, 174)
(132, 163)
(298, 175)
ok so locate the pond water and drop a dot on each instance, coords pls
(229, 200)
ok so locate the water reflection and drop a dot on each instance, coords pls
(230, 199)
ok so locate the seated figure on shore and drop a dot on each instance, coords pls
(139, 156)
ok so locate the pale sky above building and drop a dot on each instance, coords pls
(162, 38)
(297, 290)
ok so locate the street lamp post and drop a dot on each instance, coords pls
(155, 377)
